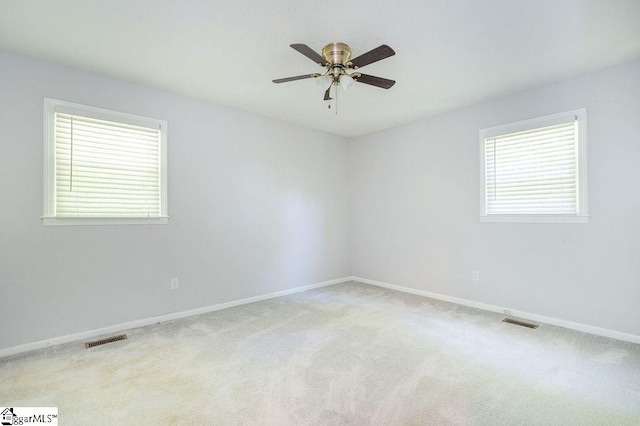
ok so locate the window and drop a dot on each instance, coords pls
(535, 170)
(103, 167)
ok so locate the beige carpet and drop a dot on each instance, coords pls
(345, 354)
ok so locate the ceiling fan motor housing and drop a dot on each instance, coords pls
(338, 56)
(337, 53)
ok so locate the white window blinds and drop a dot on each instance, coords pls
(534, 171)
(106, 169)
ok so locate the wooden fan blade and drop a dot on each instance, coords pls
(374, 55)
(327, 95)
(297, 77)
(372, 80)
(309, 53)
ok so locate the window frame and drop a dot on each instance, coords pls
(51, 106)
(582, 215)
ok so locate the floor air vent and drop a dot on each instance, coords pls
(520, 323)
(105, 341)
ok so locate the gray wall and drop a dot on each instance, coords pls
(415, 198)
(256, 206)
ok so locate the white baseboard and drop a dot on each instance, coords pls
(598, 331)
(27, 347)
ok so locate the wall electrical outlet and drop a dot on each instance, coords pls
(475, 276)
(174, 283)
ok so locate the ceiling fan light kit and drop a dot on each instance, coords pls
(346, 81)
(341, 70)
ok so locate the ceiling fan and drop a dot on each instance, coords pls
(336, 58)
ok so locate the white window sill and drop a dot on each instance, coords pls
(56, 221)
(534, 219)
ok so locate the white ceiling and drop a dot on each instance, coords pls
(449, 53)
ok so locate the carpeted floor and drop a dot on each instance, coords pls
(345, 354)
